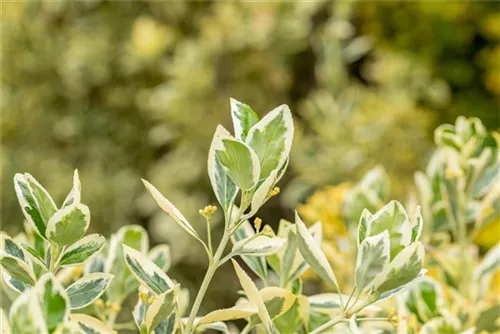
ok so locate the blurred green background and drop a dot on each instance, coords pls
(124, 90)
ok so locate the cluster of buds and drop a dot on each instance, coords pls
(208, 211)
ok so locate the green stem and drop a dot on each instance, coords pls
(206, 282)
(246, 329)
(209, 237)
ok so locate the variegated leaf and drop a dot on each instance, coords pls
(224, 188)
(243, 118)
(256, 264)
(490, 263)
(240, 162)
(418, 226)
(373, 258)
(90, 325)
(161, 308)
(87, 289)
(261, 195)
(74, 195)
(362, 226)
(405, 267)
(53, 301)
(425, 299)
(241, 310)
(146, 272)
(260, 245)
(170, 209)
(82, 250)
(17, 268)
(313, 255)
(160, 255)
(34, 256)
(253, 296)
(216, 326)
(69, 224)
(277, 300)
(26, 315)
(35, 202)
(295, 318)
(271, 139)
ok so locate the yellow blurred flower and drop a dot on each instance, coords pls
(149, 38)
(326, 206)
(490, 235)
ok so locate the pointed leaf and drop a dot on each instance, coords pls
(146, 272)
(243, 118)
(160, 255)
(256, 264)
(362, 226)
(74, 195)
(258, 246)
(170, 209)
(69, 224)
(87, 289)
(373, 258)
(271, 139)
(224, 188)
(241, 310)
(253, 295)
(405, 267)
(161, 308)
(240, 162)
(83, 250)
(313, 255)
(277, 300)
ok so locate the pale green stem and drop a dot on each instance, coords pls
(206, 282)
(209, 237)
(246, 329)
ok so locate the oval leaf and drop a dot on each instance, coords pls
(243, 118)
(69, 224)
(53, 300)
(87, 289)
(258, 246)
(17, 268)
(242, 310)
(241, 163)
(83, 250)
(224, 188)
(146, 272)
(90, 325)
(161, 308)
(373, 258)
(26, 315)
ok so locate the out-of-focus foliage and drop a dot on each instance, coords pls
(124, 90)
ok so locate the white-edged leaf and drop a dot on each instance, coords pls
(418, 226)
(17, 268)
(87, 289)
(425, 299)
(216, 326)
(160, 255)
(405, 267)
(277, 300)
(34, 256)
(243, 118)
(362, 225)
(69, 224)
(82, 250)
(90, 325)
(12, 283)
(146, 272)
(260, 245)
(53, 301)
(256, 264)
(240, 162)
(241, 310)
(26, 315)
(253, 296)
(261, 195)
(36, 204)
(224, 188)
(161, 308)
(271, 139)
(170, 209)
(74, 195)
(313, 255)
(373, 258)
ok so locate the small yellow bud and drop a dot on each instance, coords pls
(208, 211)
(274, 192)
(257, 223)
(115, 307)
(151, 300)
(268, 231)
(99, 303)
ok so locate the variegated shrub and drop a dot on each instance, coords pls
(243, 169)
